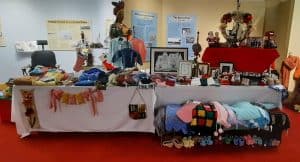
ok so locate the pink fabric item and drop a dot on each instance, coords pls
(185, 112)
(222, 114)
(139, 46)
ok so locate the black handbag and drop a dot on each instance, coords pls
(137, 111)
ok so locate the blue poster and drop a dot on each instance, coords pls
(145, 28)
(182, 32)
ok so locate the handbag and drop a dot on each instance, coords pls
(137, 111)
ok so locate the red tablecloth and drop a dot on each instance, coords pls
(5, 109)
(244, 59)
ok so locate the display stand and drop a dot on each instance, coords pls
(244, 59)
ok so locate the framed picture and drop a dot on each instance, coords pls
(185, 69)
(203, 69)
(166, 59)
(226, 67)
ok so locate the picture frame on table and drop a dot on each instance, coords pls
(185, 69)
(203, 68)
(226, 68)
(166, 59)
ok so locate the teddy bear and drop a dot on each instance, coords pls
(210, 39)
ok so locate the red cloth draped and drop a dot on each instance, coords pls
(244, 59)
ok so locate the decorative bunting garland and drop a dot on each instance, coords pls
(58, 95)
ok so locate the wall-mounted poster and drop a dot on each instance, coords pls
(2, 40)
(63, 34)
(145, 28)
(182, 32)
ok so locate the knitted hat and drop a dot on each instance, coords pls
(118, 6)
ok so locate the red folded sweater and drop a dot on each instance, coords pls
(288, 65)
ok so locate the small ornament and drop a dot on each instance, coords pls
(216, 133)
(220, 138)
(220, 130)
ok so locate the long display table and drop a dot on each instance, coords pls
(225, 94)
(113, 113)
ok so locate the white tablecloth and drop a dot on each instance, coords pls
(225, 94)
(113, 112)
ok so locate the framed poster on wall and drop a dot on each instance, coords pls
(182, 32)
(144, 25)
(2, 40)
(63, 34)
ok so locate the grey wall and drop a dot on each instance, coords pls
(26, 20)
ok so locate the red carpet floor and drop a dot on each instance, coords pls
(81, 147)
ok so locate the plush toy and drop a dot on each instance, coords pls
(210, 39)
(269, 41)
(217, 39)
(107, 65)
